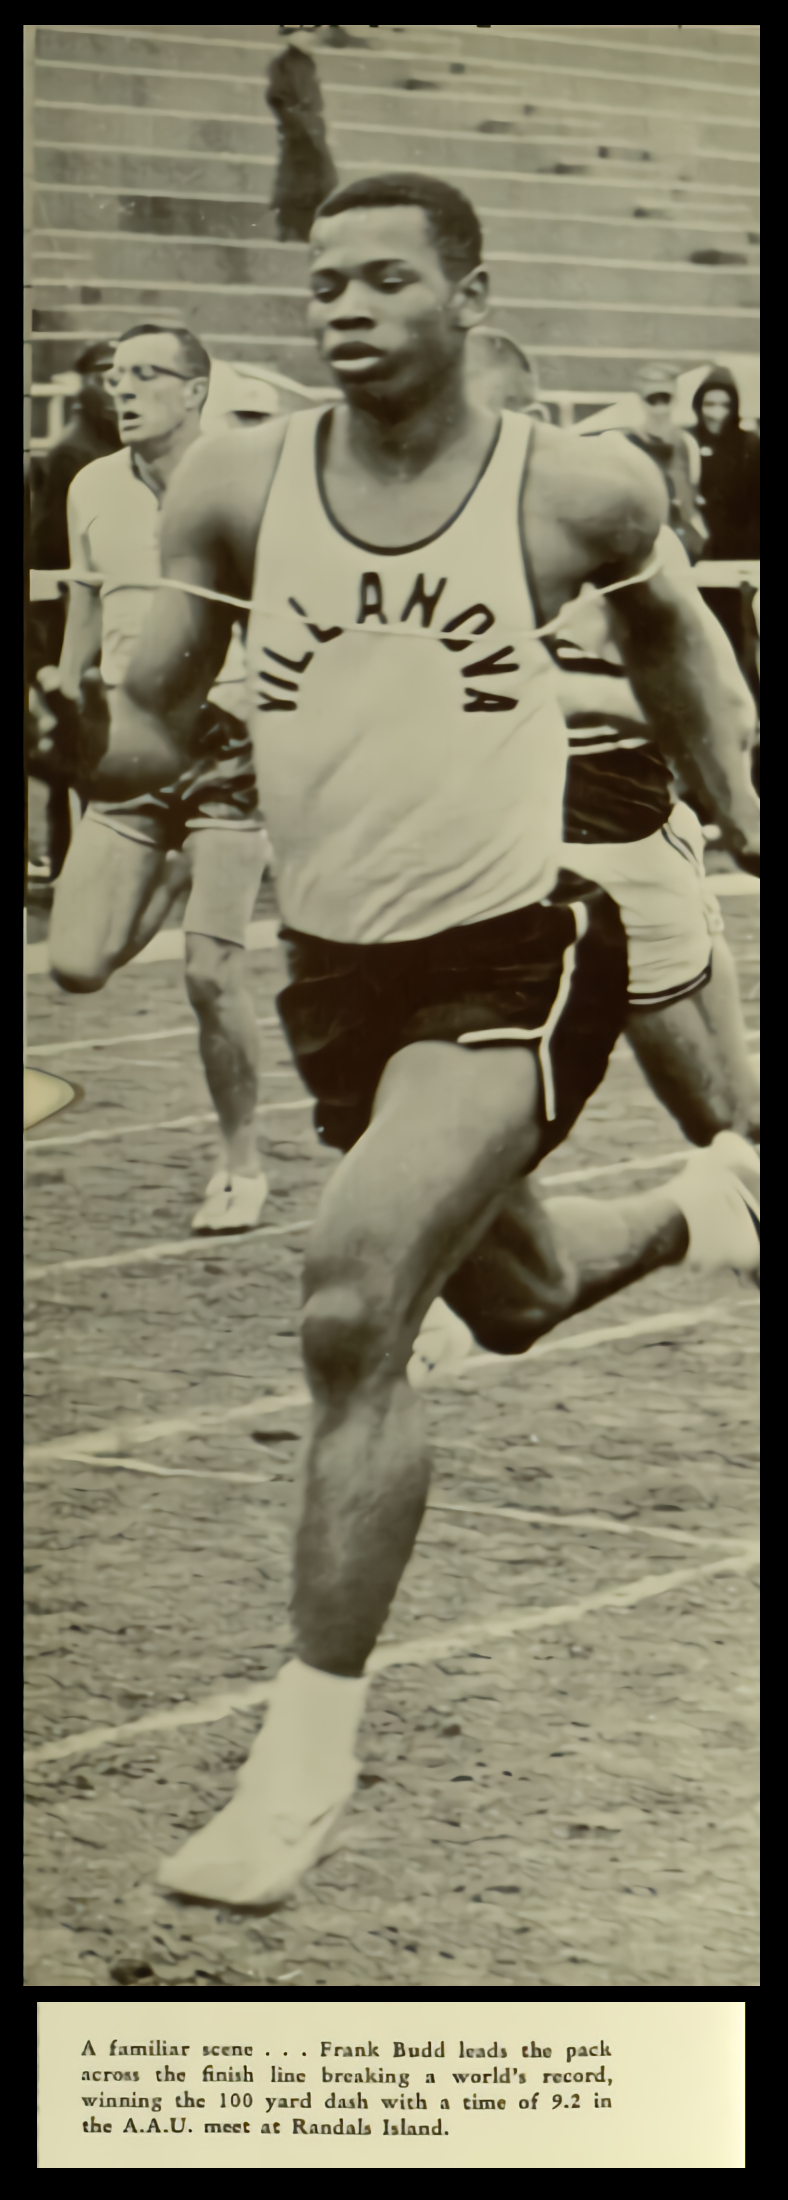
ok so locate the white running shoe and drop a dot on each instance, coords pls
(298, 1779)
(231, 1204)
(441, 1347)
(247, 1857)
(719, 1196)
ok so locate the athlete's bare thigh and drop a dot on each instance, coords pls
(452, 1130)
(106, 882)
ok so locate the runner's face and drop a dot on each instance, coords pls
(153, 402)
(386, 317)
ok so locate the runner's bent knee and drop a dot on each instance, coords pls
(347, 1333)
(73, 979)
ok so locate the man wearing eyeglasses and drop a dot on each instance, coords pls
(129, 859)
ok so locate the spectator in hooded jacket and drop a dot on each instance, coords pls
(730, 459)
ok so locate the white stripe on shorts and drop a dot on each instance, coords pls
(542, 1036)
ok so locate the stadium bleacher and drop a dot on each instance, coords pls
(614, 168)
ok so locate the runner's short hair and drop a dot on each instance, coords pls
(453, 223)
(194, 355)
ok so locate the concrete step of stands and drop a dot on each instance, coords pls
(94, 234)
(535, 143)
(217, 175)
(730, 51)
(169, 269)
(578, 73)
(448, 100)
(627, 146)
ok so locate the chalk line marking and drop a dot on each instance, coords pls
(139, 1038)
(168, 1474)
(514, 1514)
(176, 1123)
(614, 1333)
(121, 1433)
(177, 1248)
(416, 1652)
(607, 1526)
(101, 1440)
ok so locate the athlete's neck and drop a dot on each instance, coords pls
(398, 445)
(155, 462)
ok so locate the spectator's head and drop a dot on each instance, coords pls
(397, 282)
(497, 372)
(93, 366)
(716, 403)
(655, 386)
(159, 383)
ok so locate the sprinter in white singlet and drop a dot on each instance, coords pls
(448, 1008)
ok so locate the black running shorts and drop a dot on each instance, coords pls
(552, 977)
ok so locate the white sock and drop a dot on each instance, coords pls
(309, 1733)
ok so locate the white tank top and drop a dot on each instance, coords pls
(410, 754)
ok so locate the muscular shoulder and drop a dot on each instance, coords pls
(227, 476)
(216, 500)
(608, 495)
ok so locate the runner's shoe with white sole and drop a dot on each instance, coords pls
(441, 1348)
(247, 1857)
(298, 1779)
(719, 1196)
(231, 1204)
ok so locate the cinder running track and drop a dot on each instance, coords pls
(560, 1744)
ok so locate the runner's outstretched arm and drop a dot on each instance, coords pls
(688, 685)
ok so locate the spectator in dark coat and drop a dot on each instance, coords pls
(730, 461)
(91, 433)
(730, 485)
(305, 170)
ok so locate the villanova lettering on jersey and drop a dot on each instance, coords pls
(410, 751)
(275, 692)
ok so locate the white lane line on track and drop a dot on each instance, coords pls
(514, 1514)
(168, 1474)
(137, 1038)
(100, 1441)
(177, 1248)
(177, 1123)
(417, 1652)
(121, 1434)
(615, 1333)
